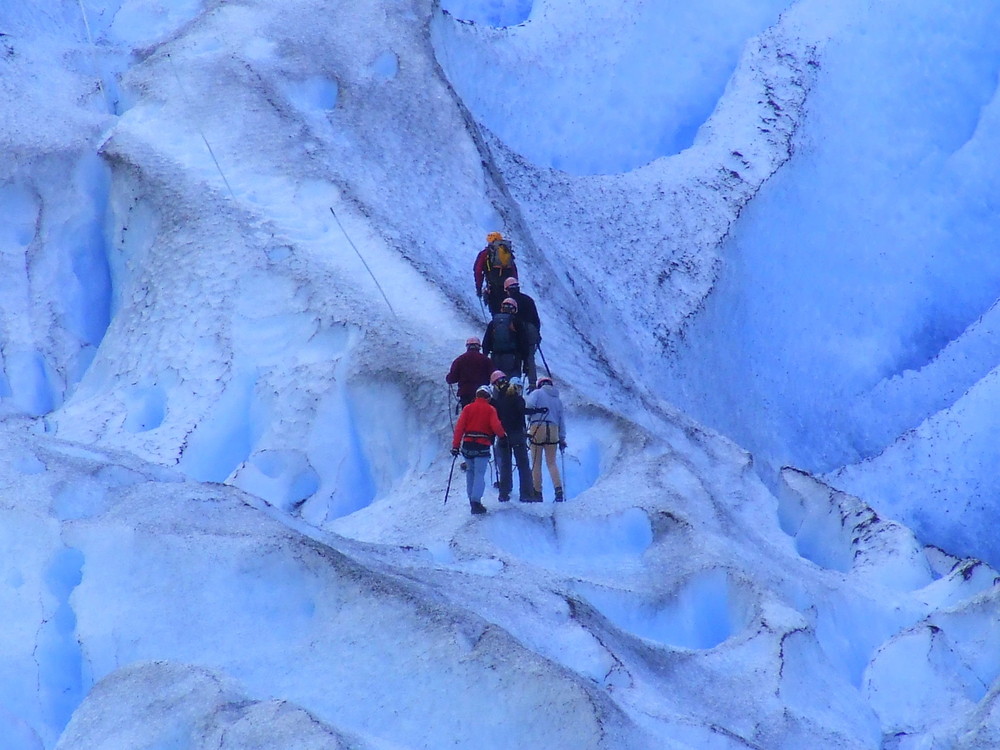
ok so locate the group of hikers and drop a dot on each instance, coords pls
(494, 414)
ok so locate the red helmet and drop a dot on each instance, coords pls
(512, 304)
(543, 381)
(472, 341)
(512, 281)
(497, 374)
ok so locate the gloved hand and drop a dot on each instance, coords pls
(562, 445)
(454, 451)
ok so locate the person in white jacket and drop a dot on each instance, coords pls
(546, 431)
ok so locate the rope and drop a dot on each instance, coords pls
(451, 406)
(201, 132)
(389, 304)
(93, 56)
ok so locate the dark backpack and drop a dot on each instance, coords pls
(504, 334)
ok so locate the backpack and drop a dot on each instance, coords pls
(499, 256)
(504, 334)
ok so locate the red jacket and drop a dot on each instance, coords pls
(478, 417)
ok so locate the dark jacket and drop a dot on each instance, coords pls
(470, 370)
(510, 409)
(517, 331)
(527, 310)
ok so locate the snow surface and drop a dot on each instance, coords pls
(235, 264)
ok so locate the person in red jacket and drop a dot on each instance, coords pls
(469, 371)
(477, 426)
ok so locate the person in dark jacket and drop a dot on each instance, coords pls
(475, 429)
(505, 341)
(469, 371)
(527, 317)
(510, 408)
(493, 265)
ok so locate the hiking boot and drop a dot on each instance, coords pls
(559, 495)
(477, 508)
(534, 497)
(504, 498)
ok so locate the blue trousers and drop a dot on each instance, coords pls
(475, 476)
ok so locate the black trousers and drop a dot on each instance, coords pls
(516, 447)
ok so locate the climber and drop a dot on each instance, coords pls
(469, 370)
(493, 265)
(475, 429)
(505, 340)
(510, 408)
(527, 317)
(546, 430)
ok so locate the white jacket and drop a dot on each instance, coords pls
(546, 397)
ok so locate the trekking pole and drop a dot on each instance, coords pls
(482, 307)
(562, 456)
(496, 474)
(547, 370)
(450, 473)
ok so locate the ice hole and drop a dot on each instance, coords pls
(144, 24)
(591, 441)
(32, 383)
(64, 572)
(282, 477)
(313, 93)
(27, 462)
(225, 438)
(622, 535)
(146, 407)
(20, 211)
(809, 511)
(708, 609)
(582, 467)
(279, 254)
(490, 12)
(58, 653)
(347, 462)
(87, 285)
(79, 499)
(386, 65)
